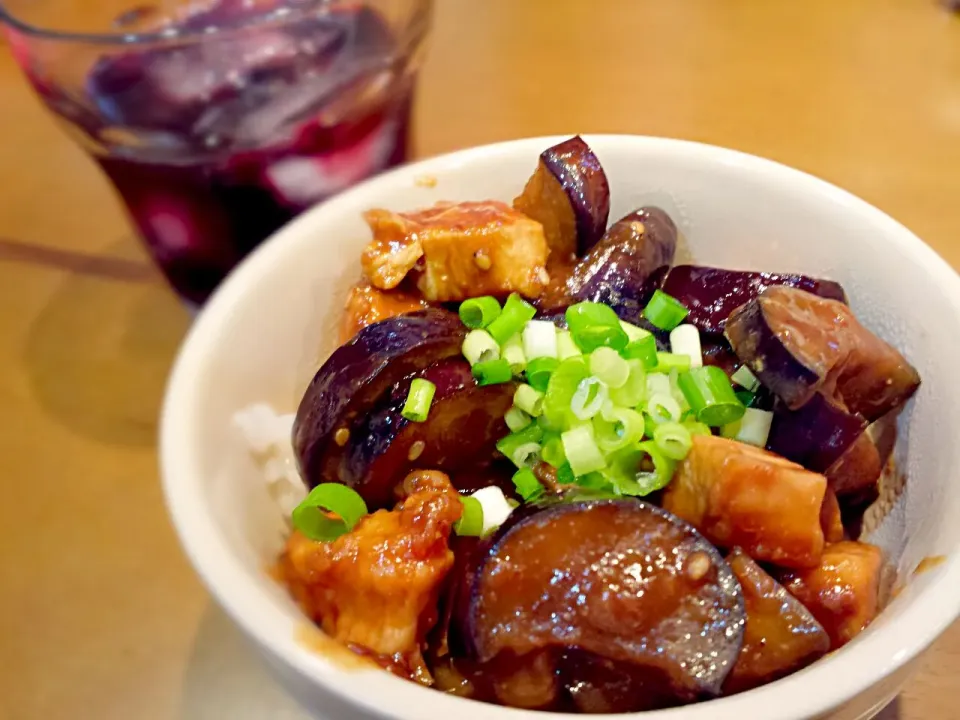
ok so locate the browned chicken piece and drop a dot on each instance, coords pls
(376, 588)
(739, 495)
(843, 593)
(781, 636)
(831, 519)
(458, 250)
(367, 305)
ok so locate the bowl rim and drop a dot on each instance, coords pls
(809, 693)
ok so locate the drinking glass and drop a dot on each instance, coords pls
(219, 121)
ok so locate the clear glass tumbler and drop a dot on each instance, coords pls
(219, 121)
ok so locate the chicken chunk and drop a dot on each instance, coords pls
(781, 635)
(843, 592)
(376, 588)
(367, 305)
(458, 250)
(739, 495)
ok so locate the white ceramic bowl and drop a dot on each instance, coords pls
(266, 330)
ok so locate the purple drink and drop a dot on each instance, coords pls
(215, 139)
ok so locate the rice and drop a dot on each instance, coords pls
(268, 436)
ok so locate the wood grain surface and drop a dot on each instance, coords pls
(100, 615)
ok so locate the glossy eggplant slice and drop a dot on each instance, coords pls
(620, 579)
(816, 434)
(569, 195)
(459, 434)
(797, 343)
(616, 270)
(858, 468)
(781, 636)
(739, 495)
(355, 377)
(711, 294)
(843, 592)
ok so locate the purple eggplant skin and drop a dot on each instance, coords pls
(798, 343)
(711, 294)
(357, 374)
(616, 270)
(581, 176)
(460, 434)
(542, 583)
(815, 435)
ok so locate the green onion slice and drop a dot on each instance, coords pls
(664, 312)
(566, 347)
(634, 391)
(644, 349)
(695, 427)
(565, 475)
(521, 446)
(470, 523)
(311, 519)
(516, 419)
(528, 487)
(673, 440)
(588, 398)
(663, 407)
(479, 346)
(618, 427)
(539, 339)
(512, 352)
(562, 385)
(667, 362)
(492, 372)
(595, 325)
(552, 450)
(640, 470)
(539, 371)
(515, 314)
(581, 450)
(479, 312)
(607, 365)
(745, 378)
(528, 399)
(417, 406)
(711, 396)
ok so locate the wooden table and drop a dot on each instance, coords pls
(100, 615)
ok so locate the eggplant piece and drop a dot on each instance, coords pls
(831, 520)
(711, 294)
(780, 637)
(843, 592)
(459, 434)
(739, 495)
(620, 579)
(616, 270)
(357, 374)
(797, 343)
(858, 468)
(569, 195)
(816, 434)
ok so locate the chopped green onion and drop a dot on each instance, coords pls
(496, 507)
(685, 340)
(512, 352)
(695, 427)
(745, 378)
(566, 347)
(479, 312)
(540, 339)
(418, 401)
(677, 393)
(552, 451)
(515, 314)
(520, 446)
(711, 396)
(539, 371)
(594, 481)
(479, 346)
(618, 427)
(670, 361)
(529, 400)
(633, 332)
(664, 312)
(607, 365)
(311, 519)
(588, 398)
(565, 474)
(528, 487)
(634, 390)
(663, 408)
(640, 469)
(492, 372)
(753, 428)
(745, 397)
(644, 349)
(470, 523)
(581, 450)
(658, 383)
(562, 385)
(595, 325)
(516, 419)
(673, 440)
